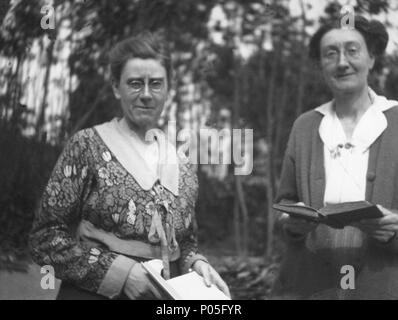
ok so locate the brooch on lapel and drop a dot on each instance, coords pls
(150, 208)
(336, 152)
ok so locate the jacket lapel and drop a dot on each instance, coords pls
(381, 173)
(317, 171)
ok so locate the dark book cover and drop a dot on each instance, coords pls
(335, 215)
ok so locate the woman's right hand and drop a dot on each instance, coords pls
(139, 287)
(296, 226)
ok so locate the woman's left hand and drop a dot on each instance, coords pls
(210, 276)
(382, 229)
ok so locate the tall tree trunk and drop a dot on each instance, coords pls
(10, 107)
(280, 111)
(237, 231)
(17, 111)
(245, 215)
(239, 199)
(4, 8)
(241, 193)
(270, 139)
(262, 80)
(235, 122)
(40, 131)
(302, 66)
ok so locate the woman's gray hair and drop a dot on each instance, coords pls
(144, 46)
(373, 31)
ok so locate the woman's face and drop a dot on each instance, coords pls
(345, 60)
(142, 91)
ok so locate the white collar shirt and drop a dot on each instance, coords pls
(346, 161)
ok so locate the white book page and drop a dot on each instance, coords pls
(154, 269)
(191, 286)
(156, 265)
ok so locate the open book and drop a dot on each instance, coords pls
(189, 286)
(334, 215)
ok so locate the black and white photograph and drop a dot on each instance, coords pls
(204, 150)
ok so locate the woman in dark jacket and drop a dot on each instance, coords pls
(343, 151)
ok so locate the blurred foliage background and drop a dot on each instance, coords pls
(237, 64)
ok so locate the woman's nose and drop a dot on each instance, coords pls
(146, 93)
(342, 59)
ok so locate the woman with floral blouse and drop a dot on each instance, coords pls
(112, 199)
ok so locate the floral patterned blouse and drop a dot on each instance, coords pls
(88, 182)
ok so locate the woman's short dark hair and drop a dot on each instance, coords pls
(373, 31)
(144, 46)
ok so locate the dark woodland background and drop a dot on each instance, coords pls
(265, 92)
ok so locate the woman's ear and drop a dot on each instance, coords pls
(115, 88)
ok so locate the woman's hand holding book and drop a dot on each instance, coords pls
(383, 229)
(296, 227)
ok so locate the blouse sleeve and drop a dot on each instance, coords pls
(189, 242)
(53, 238)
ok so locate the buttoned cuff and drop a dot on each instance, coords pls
(116, 276)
